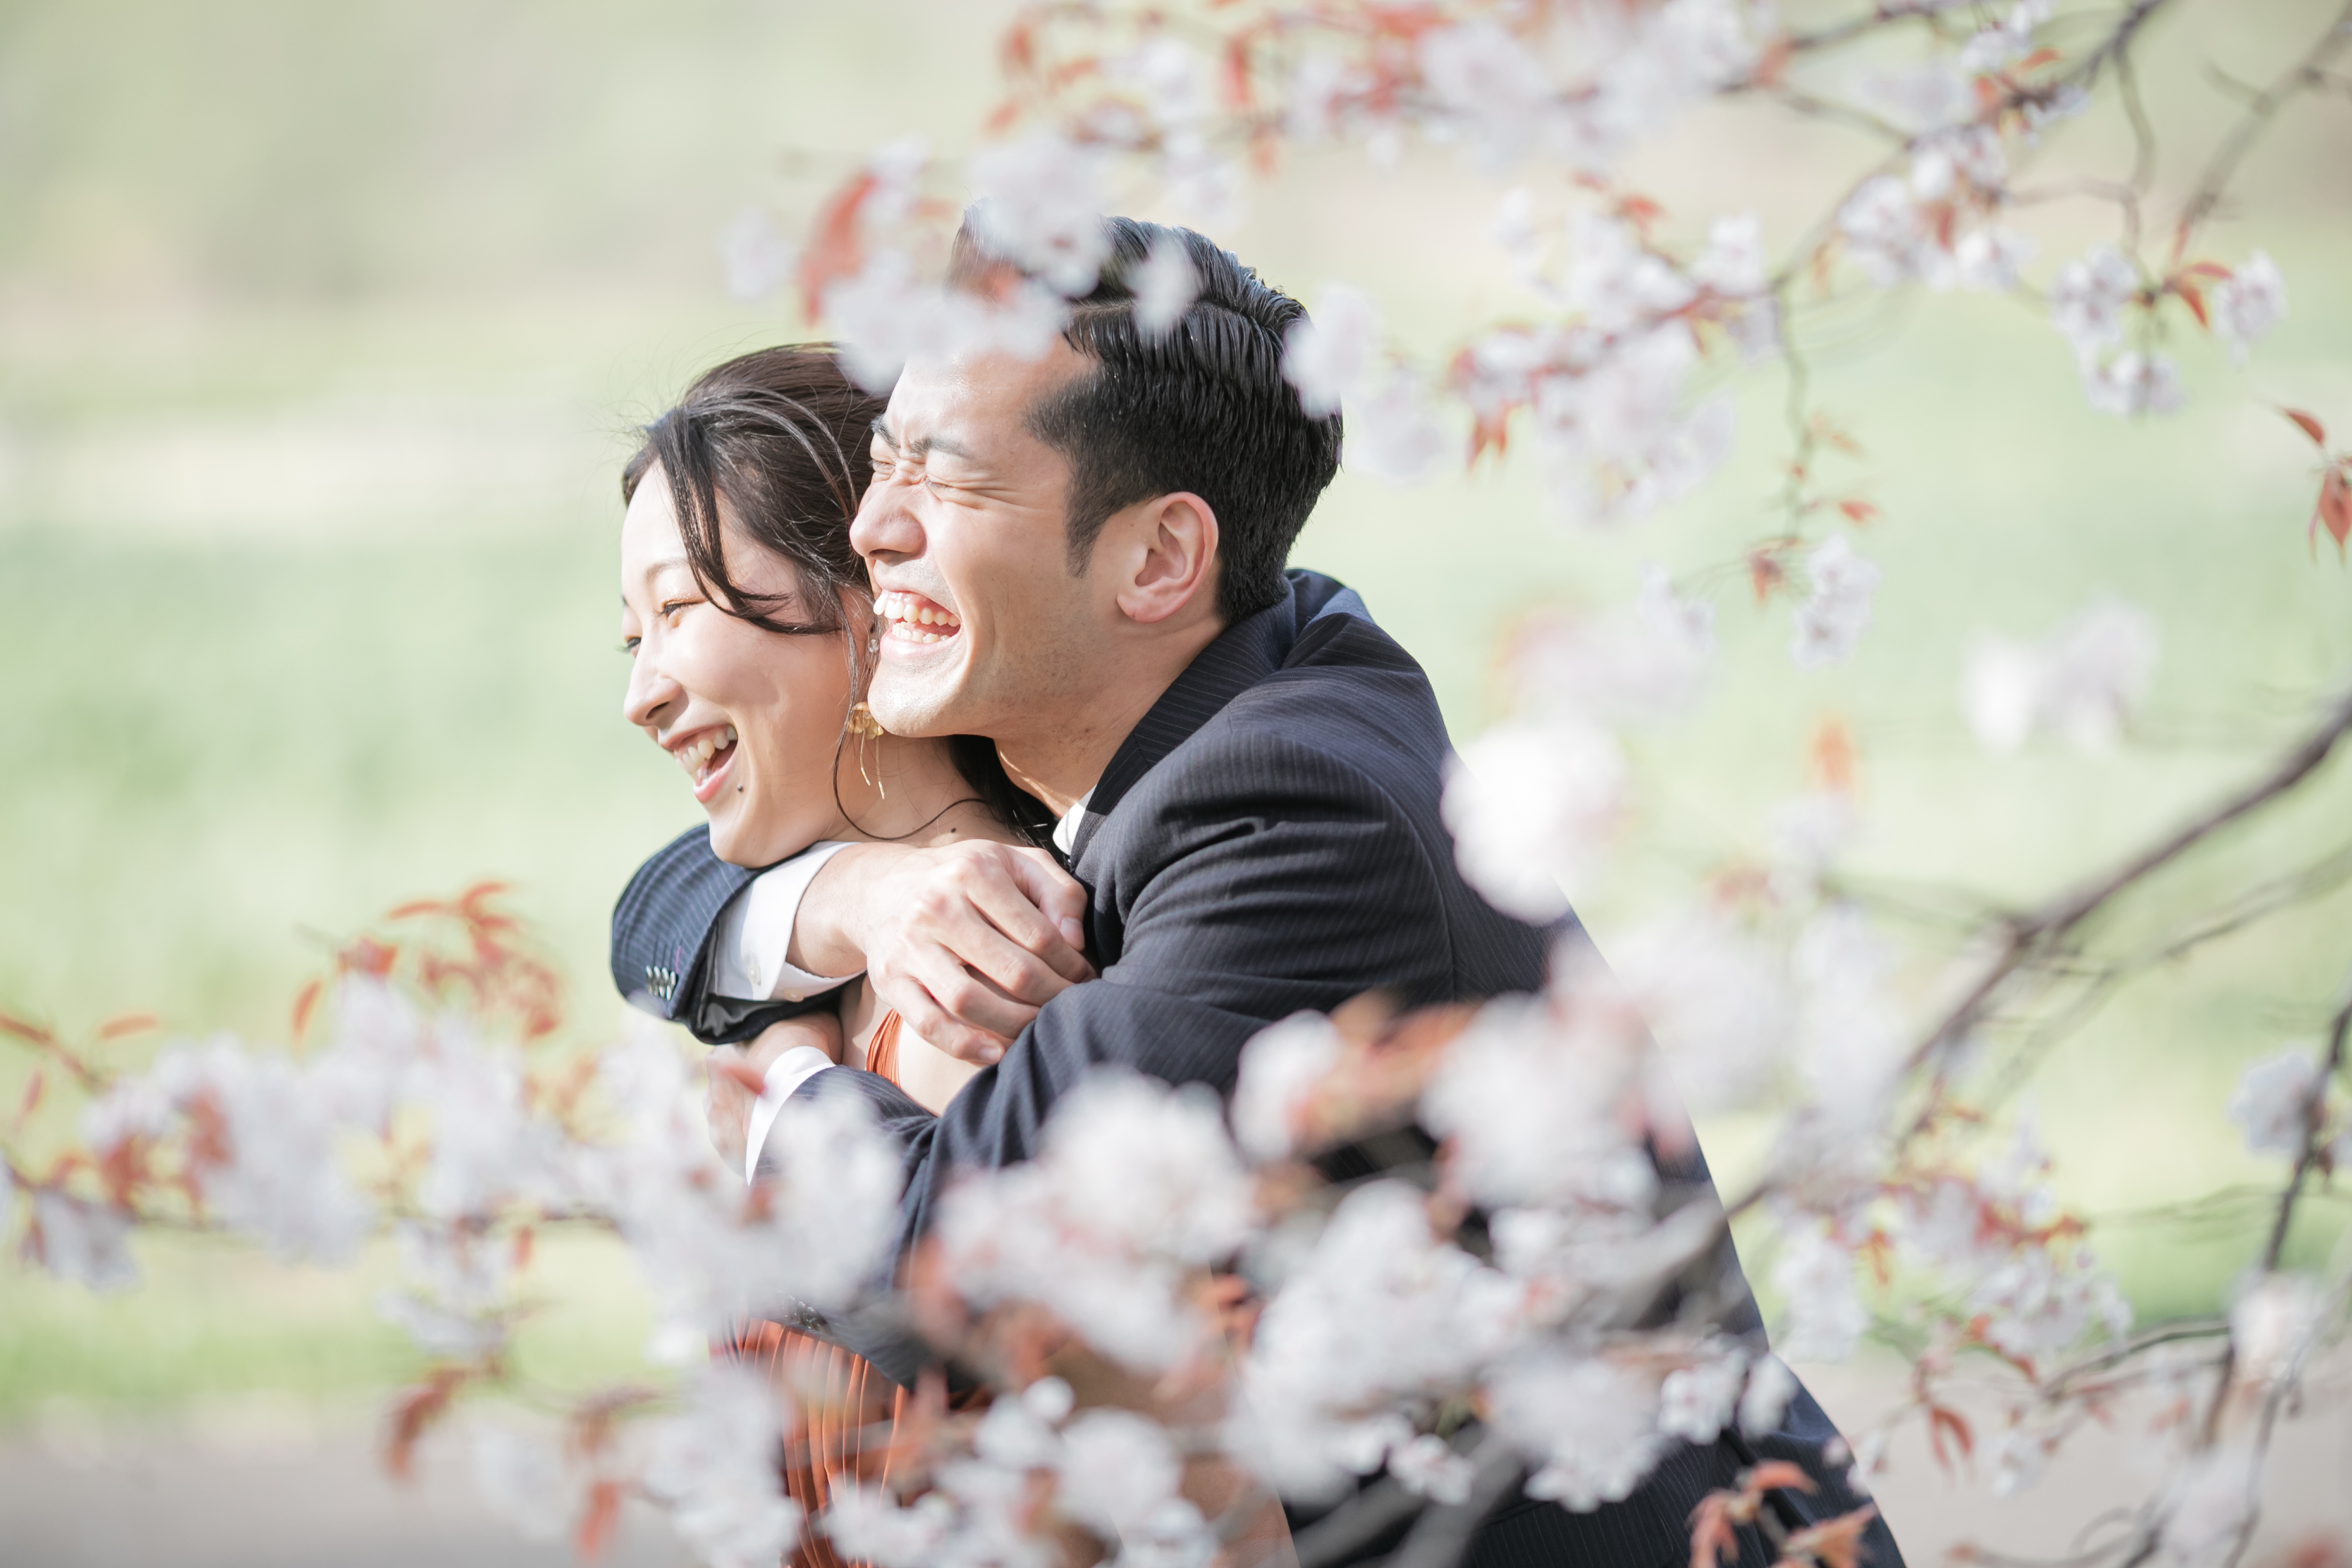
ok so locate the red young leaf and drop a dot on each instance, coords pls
(1713, 1540)
(123, 1023)
(415, 1410)
(2194, 299)
(596, 1521)
(1775, 1474)
(1833, 1543)
(25, 1030)
(33, 1087)
(2334, 512)
(304, 1000)
(1858, 509)
(1942, 1419)
(2212, 270)
(835, 251)
(2309, 424)
(1236, 78)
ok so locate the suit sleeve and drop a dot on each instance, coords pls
(663, 929)
(1278, 879)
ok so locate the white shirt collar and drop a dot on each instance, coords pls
(1066, 832)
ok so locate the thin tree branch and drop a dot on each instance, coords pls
(2309, 72)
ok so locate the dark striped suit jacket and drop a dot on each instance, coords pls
(1268, 839)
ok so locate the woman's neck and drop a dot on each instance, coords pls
(894, 787)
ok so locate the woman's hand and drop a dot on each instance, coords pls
(967, 940)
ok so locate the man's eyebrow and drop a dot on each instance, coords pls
(923, 447)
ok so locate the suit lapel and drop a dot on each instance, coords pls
(1244, 654)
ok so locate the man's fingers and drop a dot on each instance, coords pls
(1061, 899)
(1009, 959)
(927, 1015)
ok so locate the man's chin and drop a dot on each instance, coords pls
(911, 709)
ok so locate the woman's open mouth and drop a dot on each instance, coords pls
(912, 618)
(706, 759)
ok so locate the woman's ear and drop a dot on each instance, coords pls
(1168, 565)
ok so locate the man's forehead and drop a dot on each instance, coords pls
(938, 397)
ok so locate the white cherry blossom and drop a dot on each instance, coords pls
(1136, 1185)
(2081, 683)
(1039, 205)
(2086, 303)
(1326, 353)
(2248, 304)
(754, 255)
(2132, 383)
(1280, 1068)
(1589, 1424)
(1532, 807)
(1837, 610)
(2276, 1099)
(717, 1466)
(1165, 286)
(76, 1239)
(1538, 1106)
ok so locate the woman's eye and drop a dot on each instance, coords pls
(629, 645)
(673, 606)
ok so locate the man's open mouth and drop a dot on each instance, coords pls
(913, 618)
(706, 756)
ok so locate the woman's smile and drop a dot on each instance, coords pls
(705, 755)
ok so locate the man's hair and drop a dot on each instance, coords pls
(1202, 408)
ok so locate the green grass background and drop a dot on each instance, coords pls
(269, 675)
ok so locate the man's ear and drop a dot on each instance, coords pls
(1167, 558)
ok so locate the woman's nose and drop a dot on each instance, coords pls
(650, 694)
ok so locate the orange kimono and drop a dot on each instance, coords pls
(848, 1411)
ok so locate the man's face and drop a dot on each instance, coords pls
(985, 631)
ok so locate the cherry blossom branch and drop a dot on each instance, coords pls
(2306, 74)
(2028, 936)
(1441, 1537)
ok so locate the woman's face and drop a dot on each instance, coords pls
(752, 716)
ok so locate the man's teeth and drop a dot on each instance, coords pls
(697, 754)
(908, 616)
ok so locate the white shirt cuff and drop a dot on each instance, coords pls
(785, 1074)
(756, 933)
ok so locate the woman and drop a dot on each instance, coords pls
(750, 629)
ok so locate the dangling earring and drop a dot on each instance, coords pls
(865, 727)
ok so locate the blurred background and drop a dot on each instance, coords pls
(323, 331)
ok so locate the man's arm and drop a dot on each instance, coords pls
(703, 943)
(1291, 882)
(966, 941)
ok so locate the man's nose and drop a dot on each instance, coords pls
(885, 525)
(650, 694)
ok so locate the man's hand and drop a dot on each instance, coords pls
(966, 941)
(737, 1073)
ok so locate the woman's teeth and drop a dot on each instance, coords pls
(695, 754)
(915, 619)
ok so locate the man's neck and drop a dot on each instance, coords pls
(1063, 755)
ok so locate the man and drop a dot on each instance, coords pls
(1081, 557)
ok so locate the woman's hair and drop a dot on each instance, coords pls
(781, 434)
